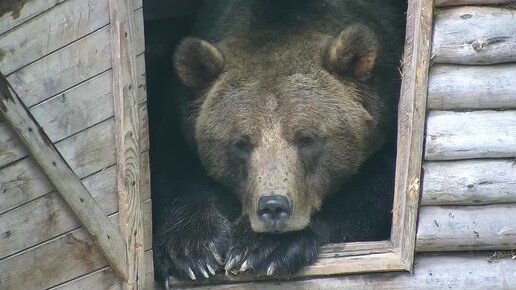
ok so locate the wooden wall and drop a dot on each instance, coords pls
(57, 55)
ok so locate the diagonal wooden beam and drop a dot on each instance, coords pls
(104, 233)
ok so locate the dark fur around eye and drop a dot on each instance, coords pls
(242, 148)
(307, 139)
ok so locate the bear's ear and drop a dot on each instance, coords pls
(197, 62)
(352, 53)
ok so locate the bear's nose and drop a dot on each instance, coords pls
(274, 208)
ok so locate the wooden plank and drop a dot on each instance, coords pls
(354, 249)
(23, 181)
(441, 3)
(69, 66)
(469, 182)
(411, 124)
(464, 135)
(21, 11)
(106, 279)
(10, 149)
(54, 262)
(474, 35)
(454, 87)
(142, 78)
(470, 271)
(146, 208)
(324, 267)
(466, 228)
(124, 39)
(64, 68)
(63, 178)
(50, 31)
(76, 109)
(48, 217)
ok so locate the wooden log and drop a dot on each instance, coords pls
(469, 182)
(443, 3)
(470, 271)
(50, 31)
(453, 87)
(76, 109)
(465, 135)
(63, 178)
(474, 35)
(127, 135)
(411, 124)
(466, 228)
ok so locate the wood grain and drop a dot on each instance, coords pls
(29, 9)
(440, 3)
(457, 87)
(50, 31)
(124, 39)
(469, 182)
(411, 124)
(466, 135)
(63, 178)
(433, 271)
(474, 35)
(466, 228)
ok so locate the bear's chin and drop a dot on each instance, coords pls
(291, 225)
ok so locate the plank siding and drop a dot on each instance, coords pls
(50, 31)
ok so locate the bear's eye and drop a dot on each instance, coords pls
(306, 139)
(242, 147)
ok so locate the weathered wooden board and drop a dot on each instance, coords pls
(48, 216)
(432, 271)
(10, 148)
(440, 3)
(58, 260)
(52, 263)
(50, 31)
(453, 87)
(105, 279)
(64, 68)
(465, 135)
(466, 228)
(142, 81)
(469, 182)
(474, 35)
(70, 65)
(76, 109)
(23, 181)
(18, 12)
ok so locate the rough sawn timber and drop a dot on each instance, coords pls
(104, 233)
(127, 124)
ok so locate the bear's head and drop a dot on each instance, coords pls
(283, 124)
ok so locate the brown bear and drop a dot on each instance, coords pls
(290, 106)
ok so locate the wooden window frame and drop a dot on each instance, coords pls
(396, 254)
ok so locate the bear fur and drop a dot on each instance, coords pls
(290, 98)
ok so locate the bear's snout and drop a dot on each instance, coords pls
(274, 211)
